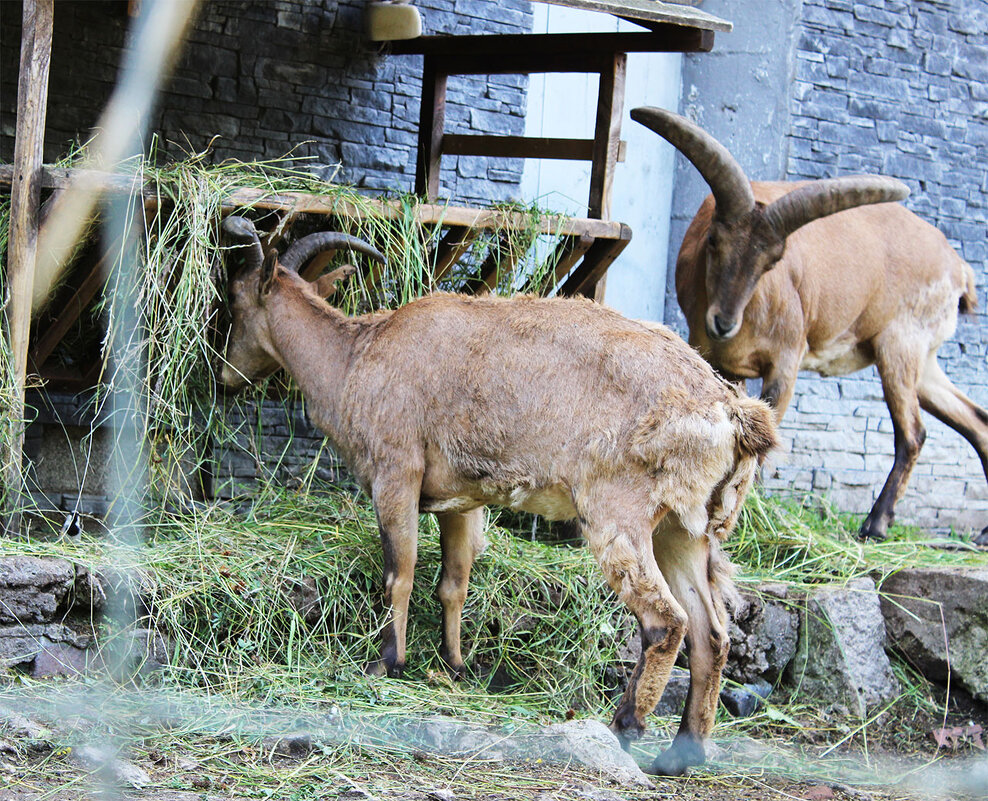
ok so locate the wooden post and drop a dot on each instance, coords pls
(432, 121)
(32, 103)
(607, 136)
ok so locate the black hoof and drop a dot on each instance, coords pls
(682, 754)
(455, 672)
(627, 733)
(872, 531)
(380, 667)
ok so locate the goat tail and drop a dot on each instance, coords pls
(969, 300)
(754, 427)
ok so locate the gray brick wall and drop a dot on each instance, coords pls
(273, 76)
(888, 86)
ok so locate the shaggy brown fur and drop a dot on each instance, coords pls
(560, 407)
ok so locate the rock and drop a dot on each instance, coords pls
(673, 699)
(763, 636)
(103, 760)
(591, 744)
(293, 746)
(841, 655)
(43, 649)
(33, 589)
(931, 612)
(445, 736)
(745, 700)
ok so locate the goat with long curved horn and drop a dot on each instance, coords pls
(827, 275)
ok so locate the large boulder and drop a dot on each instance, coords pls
(34, 589)
(841, 655)
(763, 634)
(937, 618)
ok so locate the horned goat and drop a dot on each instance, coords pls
(560, 407)
(777, 277)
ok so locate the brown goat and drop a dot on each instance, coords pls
(779, 277)
(559, 407)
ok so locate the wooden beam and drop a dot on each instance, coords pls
(47, 342)
(607, 136)
(583, 280)
(334, 206)
(569, 252)
(500, 257)
(522, 147)
(32, 103)
(432, 121)
(449, 250)
(553, 51)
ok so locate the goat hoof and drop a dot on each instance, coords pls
(456, 672)
(872, 531)
(684, 753)
(379, 667)
(627, 733)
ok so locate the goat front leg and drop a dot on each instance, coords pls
(461, 537)
(692, 572)
(396, 504)
(899, 372)
(778, 385)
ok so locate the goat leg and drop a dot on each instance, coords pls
(685, 563)
(899, 373)
(461, 537)
(397, 519)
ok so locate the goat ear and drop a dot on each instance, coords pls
(325, 285)
(268, 268)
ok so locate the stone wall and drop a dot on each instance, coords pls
(874, 85)
(269, 77)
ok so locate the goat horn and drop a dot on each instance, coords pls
(308, 246)
(829, 196)
(243, 230)
(727, 181)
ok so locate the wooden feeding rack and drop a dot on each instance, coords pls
(578, 238)
(671, 28)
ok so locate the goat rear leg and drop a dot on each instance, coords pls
(948, 404)
(396, 504)
(462, 539)
(900, 376)
(693, 573)
(625, 556)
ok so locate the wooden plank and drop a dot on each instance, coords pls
(32, 104)
(570, 251)
(607, 136)
(329, 205)
(650, 11)
(522, 147)
(583, 280)
(449, 250)
(82, 297)
(549, 52)
(500, 259)
(432, 121)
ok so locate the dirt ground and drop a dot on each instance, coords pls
(239, 773)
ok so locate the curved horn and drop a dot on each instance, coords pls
(728, 183)
(828, 196)
(308, 246)
(242, 230)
